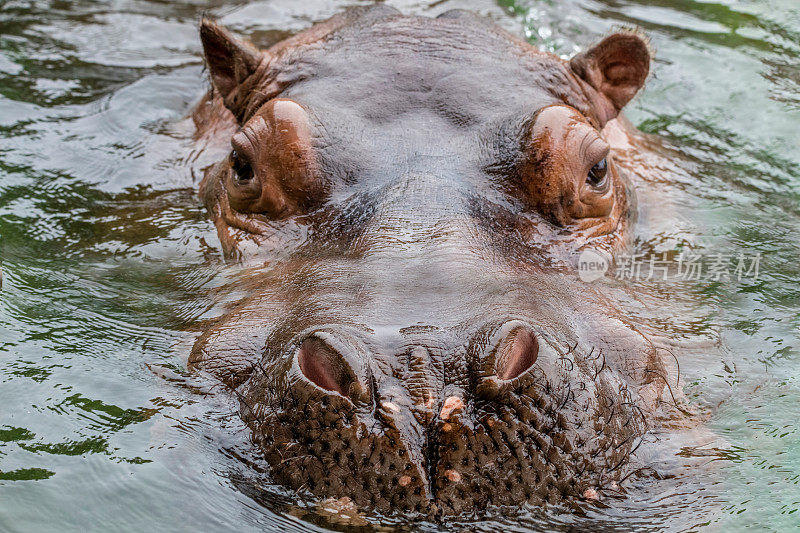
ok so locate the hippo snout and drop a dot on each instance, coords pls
(502, 418)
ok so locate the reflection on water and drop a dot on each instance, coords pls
(108, 260)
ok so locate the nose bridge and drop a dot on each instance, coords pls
(424, 380)
(421, 235)
(418, 200)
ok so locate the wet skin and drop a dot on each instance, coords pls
(415, 192)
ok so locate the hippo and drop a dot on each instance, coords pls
(408, 197)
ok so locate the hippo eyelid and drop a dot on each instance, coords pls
(593, 147)
(242, 142)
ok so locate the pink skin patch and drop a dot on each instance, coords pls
(453, 476)
(591, 494)
(451, 404)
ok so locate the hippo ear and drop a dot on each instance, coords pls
(617, 66)
(230, 61)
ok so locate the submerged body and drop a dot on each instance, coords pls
(418, 191)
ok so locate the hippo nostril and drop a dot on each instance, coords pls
(516, 353)
(327, 368)
(510, 351)
(323, 366)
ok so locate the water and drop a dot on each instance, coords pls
(108, 262)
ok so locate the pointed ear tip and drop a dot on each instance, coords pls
(215, 35)
(209, 30)
(206, 24)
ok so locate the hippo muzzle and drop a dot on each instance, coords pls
(523, 419)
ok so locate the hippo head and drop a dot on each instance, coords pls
(417, 189)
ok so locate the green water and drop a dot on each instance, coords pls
(108, 259)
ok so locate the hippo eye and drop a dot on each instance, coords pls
(597, 174)
(243, 169)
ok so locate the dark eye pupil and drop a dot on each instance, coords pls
(242, 168)
(597, 174)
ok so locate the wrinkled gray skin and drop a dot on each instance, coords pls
(416, 337)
